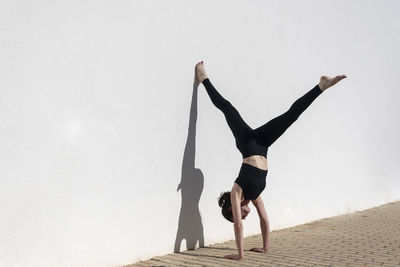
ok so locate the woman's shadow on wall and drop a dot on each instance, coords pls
(190, 226)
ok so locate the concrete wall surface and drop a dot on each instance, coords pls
(109, 153)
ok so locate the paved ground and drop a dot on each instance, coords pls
(367, 238)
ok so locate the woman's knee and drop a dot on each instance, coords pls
(224, 105)
(292, 115)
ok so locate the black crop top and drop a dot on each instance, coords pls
(252, 181)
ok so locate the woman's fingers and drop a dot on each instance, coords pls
(257, 250)
(232, 256)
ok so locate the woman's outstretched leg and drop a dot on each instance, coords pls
(235, 122)
(272, 130)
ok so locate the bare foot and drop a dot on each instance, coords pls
(325, 82)
(201, 73)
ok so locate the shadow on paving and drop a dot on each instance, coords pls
(363, 238)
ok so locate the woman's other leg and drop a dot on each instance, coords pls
(272, 130)
(235, 122)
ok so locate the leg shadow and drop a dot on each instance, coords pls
(190, 226)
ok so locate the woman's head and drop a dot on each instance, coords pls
(224, 201)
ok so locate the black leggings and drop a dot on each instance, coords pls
(268, 133)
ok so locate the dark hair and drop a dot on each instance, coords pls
(224, 201)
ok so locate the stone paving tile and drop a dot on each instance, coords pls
(363, 238)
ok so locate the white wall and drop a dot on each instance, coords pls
(95, 101)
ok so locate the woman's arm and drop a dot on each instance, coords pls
(264, 224)
(237, 225)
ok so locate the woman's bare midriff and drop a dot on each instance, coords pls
(257, 161)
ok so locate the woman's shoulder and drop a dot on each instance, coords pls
(236, 187)
(237, 191)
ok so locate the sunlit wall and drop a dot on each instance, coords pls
(109, 153)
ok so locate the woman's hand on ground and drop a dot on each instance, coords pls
(233, 257)
(260, 250)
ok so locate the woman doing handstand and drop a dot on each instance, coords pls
(253, 145)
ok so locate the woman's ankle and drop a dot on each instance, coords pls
(203, 79)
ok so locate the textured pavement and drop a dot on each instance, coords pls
(364, 238)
